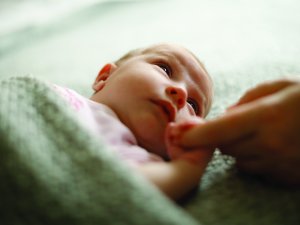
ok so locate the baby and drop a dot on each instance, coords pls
(136, 101)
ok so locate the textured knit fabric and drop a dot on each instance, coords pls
(53, 171)
(105, 125)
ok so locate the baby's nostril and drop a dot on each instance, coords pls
(173, 92)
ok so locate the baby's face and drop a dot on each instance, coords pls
(164, 84)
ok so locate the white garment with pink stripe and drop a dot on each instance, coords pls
(104, 123)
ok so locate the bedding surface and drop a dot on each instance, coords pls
(241, 43)
(53, 171)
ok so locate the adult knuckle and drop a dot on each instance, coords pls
(271, 112)
(272, 143)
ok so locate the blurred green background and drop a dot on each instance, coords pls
(66, 42)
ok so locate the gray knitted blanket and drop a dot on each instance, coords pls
(53, 171)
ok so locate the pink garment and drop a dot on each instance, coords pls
(104, 123)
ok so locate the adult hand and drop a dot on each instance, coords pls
(262, 131)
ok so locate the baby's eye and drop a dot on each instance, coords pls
(194, 105)
(165, 68)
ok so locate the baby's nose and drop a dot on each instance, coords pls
(178, 96)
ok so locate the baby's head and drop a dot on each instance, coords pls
(150, 87)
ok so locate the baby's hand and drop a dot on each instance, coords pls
(176, 152)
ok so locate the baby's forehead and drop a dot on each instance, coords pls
(174, 51)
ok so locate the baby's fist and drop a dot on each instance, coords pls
(176, 152)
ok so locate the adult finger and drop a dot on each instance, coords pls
(245, 149)
(228, 128)
(256, 166)
(265, 89)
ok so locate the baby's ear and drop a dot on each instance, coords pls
(102, 76)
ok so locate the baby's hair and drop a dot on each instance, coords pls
(139, 51)
(129, 55)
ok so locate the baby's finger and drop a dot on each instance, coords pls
(197, 157)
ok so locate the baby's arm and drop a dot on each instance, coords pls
(175, 179)
(179, 176)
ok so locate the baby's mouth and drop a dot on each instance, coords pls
(167, 108)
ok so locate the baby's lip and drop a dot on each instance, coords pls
(168, 108)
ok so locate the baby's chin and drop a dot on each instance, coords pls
(151, 138)
(153, 147)
(162, 152)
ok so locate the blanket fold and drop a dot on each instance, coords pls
(53, 171)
